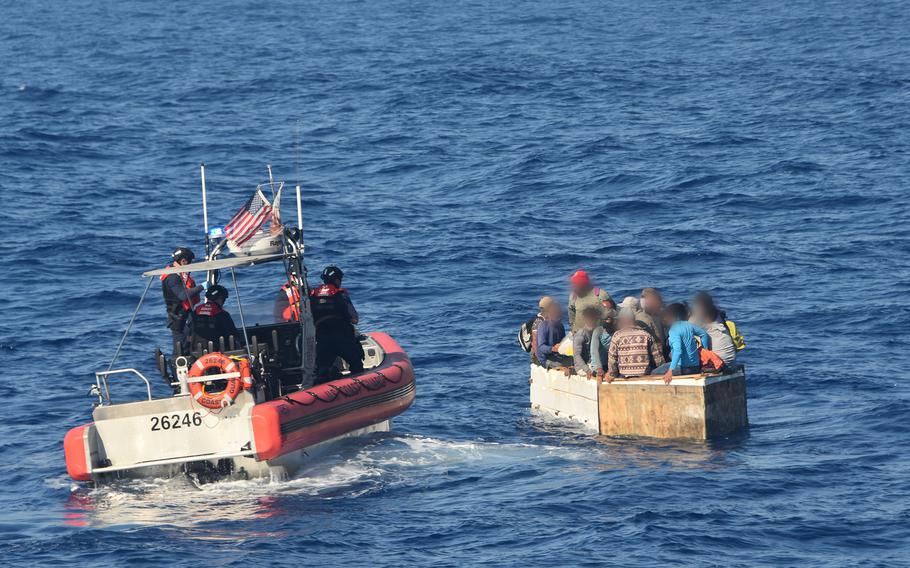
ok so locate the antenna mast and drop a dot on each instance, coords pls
(205, 209)
(297, 175)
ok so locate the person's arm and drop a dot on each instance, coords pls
(596, 342)
(578, 345)
(352, 313)
(675, 349)
(175, 285)
(703, 335)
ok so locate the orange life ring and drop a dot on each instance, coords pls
(234, 386)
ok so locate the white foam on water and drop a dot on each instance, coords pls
(351, 472)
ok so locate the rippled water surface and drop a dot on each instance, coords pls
(459, 159)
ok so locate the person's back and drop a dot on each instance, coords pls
(211, 321)
(334, 317)
(684, 356)
(644, 320)
(633, 352)
(721, 342)
(652, 304)
(706, 315)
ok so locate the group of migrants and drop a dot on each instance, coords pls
(193, 322)
(639, 336)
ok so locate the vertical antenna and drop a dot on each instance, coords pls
(205, 209)
(297, 175)
(271, 179)
(299, 213)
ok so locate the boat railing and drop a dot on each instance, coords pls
(102, 390)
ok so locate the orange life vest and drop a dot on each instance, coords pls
(189, 283)
(710, 361)
(292, 312)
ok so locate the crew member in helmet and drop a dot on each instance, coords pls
(211, 321)
(334, 316)
(180, 294)
(287, 302)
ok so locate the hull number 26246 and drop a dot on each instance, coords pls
(176, 421)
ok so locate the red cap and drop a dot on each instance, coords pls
(580, 278)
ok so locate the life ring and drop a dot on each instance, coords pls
(226, 365)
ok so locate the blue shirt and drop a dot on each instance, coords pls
(683, 349)
(549, 333)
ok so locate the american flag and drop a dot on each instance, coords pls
(244, 224)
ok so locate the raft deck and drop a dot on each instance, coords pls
(692, 406)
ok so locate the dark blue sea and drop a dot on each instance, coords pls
(458, 160)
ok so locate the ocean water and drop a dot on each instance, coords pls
(458, 160)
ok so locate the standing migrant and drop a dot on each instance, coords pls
(583, 295)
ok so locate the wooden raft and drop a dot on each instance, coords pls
(691, 406)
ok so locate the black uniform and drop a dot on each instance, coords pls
(180, 293)
(210, 323)
(333, 315)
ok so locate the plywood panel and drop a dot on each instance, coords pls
(690, 408)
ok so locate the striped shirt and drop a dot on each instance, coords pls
(633, 353)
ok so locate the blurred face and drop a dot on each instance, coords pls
(591, 320)
(554, 312)
(650, 303)
(699, 313)
(581, 289)
(183, 262)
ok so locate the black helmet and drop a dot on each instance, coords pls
(216, 292)
(332, 273)
(181, 253)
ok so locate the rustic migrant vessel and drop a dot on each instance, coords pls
(696, 407)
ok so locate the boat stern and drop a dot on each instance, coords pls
(162, 434)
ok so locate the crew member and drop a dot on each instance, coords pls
(287, 303)
(211, 321)
(334, 316)
(180, 294)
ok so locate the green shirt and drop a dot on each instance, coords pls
(578, 304)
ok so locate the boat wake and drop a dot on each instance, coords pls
(387, 462)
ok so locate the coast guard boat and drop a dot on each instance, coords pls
(248, 406)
